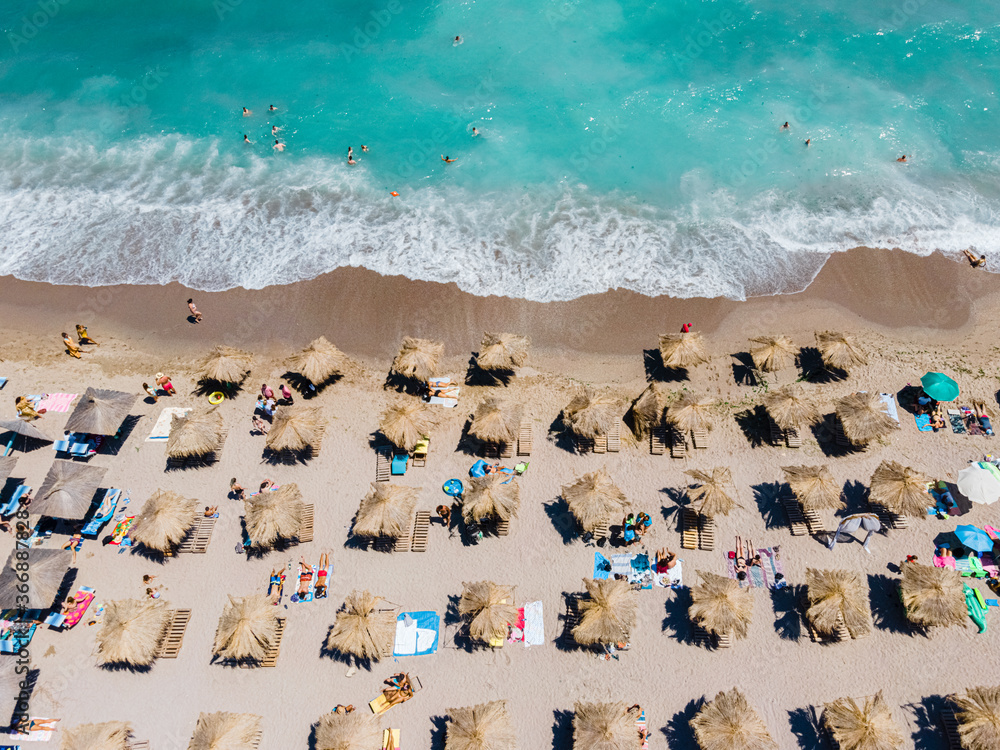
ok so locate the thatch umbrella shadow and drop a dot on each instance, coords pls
(887, 609)
(855, 495)
(810, 362)
(744, 371)
(439, 731)
(786, 603)
(678, 730)
(824, 433)
(676, 619)
(767, 497)
(477, 377)
(562, 520)
(755, 424)
(562, 729)
(657, 371)
(806, 727)
(927, 720)
(560, 434)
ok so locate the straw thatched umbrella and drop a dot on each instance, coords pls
(594, 499)
(836, 594)
(720, 606)
(199, 434)
(224, 364)
(863, 726)
(648, 410)
(710, 498)
(24, 429)
(296, 428)
(772, 353)
(495, 496)
(100, 412)
(48, 568)
(690, 413)
(494, 422)
(484, 727)
(386, 511)
(933, 597)
(273, 514)
(900, 489)
(489, 608)
(131, 632)
(353, 731)
(864, 417)
(791, 406)
(590, 415)
(247, 628)
(607, 615)
(502, 351)
(364, 628)
(418, 359)
(68, 490)
(605, 726)
(730, 723)
(406, 423)
(318, 362)
(682, 350)
(225, 731)
(839, 351)
(109, 735)
(164, 520)
(978, 717)
(814, 487)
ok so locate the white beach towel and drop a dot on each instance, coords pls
(161, 430)
(534, 628)
(890, 405)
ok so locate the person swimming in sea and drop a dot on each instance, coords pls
(474, 132)
(902, 158)
(274, 130)
(272, 108)
(278, 145)
(364, 149)
(446, 160)
(785, 126)
(246, 112)
(245, 139)
(350, 159)
(808, 140)
(458, 41)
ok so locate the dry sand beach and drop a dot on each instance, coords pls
(909, 314)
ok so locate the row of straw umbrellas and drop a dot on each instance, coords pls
(769, 353)
(727, 722)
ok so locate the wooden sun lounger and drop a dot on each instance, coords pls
(585, 445)
(421, 529)
(710, 640)
(813, 521)
(699, 438)
(839, 436)
(382, 464)
(402, 542)
(170, 646)
(950, 724)
(198, 538)
(602, 531)
(841, 633)
(503, 528)
(305, 534)
(678, 444)
(600, 444)
(796, 521)
(689, 529)
(723, 640)
(888, 518)
(792, 438)
(138, 745)
(777, 435)
(570, 620)
(706, 533)
(658, 441)
(506, 450)
(614, 438)
(271, 655)
(524, 438)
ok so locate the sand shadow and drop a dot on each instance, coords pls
(678, 731)
(825, 433)
(112, 446)
(568, 619)
(788, 616)
(755, 424)
(562, 520)
(403, 384)
(30, 680)
(744, 370)
(561, 435)
(814, 370)
(656, 370)
(288, 457)
(855, 495)
(676, 620)
(887, 608)
(439, 732)
(929, 734)
(767, 496)
(305, 387)
(477, 376)
(342, 657)
(562, 729)
(126, 667)
(467, 444)
(804, 723)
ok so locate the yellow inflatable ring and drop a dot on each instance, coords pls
(216, 398)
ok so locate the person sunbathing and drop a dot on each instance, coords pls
(68, 606)
(71, 348)
(305, 577)
(665, 560)
(321, 575)
(973, 260)
(212, 511)
(25, 410)
(81, 333)
(984, 418)
(937, 421)
(275, 585)
(237, 490)
(260, 425)
(266, 485)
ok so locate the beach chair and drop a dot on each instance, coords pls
(15, 500)
(678, 444)
(689, 528)
(658, 441)
(382, 467)
(699, 438)
(584, 445)
(796, 522)
(503, 527)
(420, 452)
(614, 438)
(602, 531)
(600, 444)
(196, 542)
(524, 438)
(813, 522)
(949, 722)
(889, 519)
(706, 533)
(103, 512)
(792, 438)
(777, 435)
(839, 436)
(421, 530)
(390, 739)
(381, 703)
(570, 620)
(403, 542)
(840, 632)
(173, 635)
(708, 640)
(400, 462)
(305, 534)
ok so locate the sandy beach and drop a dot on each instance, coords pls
(909, 314)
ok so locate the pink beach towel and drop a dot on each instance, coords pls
(57, 401)
(944, 562)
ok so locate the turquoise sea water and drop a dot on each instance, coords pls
(623, 143)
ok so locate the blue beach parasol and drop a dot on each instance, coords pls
(974, 538)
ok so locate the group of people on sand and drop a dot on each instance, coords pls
(83, 338)
(634, 526)
(238, 491)
(163, 387)
(276, 584)
(267, 402)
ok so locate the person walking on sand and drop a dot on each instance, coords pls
(151, 391)
(236, 489)
(286, 395)
(71, 348)
(975, 262)
(266, 392)
(194, 311)
(163, 382)
(686, 328)
(83, 336)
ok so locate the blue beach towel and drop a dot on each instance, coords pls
(923, 422)
(602, 567)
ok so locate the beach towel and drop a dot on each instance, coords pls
(56, 402)
(640, 725)
(989, 565)
(416, 634)
(83, 597)
(923, 422)
(602, 567)
(890, 405)
(944, 562)
(957, 423)
(161, 430)
(673, 577)
(516, 633)
(770, 566)
(121, 530)
(38, 735)
(534, 628)
(296, 597)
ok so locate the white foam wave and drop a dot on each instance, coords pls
(169, 209)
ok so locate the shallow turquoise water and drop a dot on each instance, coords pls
(622, 143)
